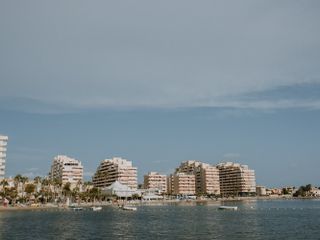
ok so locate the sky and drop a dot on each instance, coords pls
(160, 82)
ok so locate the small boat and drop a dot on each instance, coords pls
(76, 208)
(128, 208)
(228, 208)
(95, 209)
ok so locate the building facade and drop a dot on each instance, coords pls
(236, 180)
(66, 169)
(207, 180)
(184, 184)
(261, 191)
(156, 181)
(3, 155)
(206, 176)
(170, 187)
(115, 169)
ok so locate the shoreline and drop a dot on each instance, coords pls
(152, 202)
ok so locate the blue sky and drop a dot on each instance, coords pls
(162, 82)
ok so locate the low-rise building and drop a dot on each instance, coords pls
(261, 191)
(315, 192)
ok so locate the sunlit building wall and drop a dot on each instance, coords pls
(3, 155)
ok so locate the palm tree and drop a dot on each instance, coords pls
(17, 179)
(94, 193)
(87, 185)
(24, 180)
(57, 183)
(12, 193)
(66, 189)
(4, 183)
(46, 190)
(37, 179)
(29, 189)
(75, 193)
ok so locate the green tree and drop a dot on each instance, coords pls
(4, 183)
(94, 194)
(37, 179)
(75, 193)
(57, 184)
(12, 195)
(66, 189)
(308, 187)
(285, 191)
(30, 188)
(46, 191)
(135, 196)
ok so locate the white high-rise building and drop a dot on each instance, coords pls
(3, 155)
(66, 169)
(115, 169)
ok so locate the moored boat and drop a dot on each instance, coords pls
(128, 208)
(95, 209)
(76, 208)
(228, 208)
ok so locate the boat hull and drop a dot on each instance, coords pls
(234, 208)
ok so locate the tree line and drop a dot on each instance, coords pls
(44, 190)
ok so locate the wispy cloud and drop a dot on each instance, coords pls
(231, 156)
(188, 55)
(240, 102)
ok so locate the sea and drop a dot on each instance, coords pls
(254, 219)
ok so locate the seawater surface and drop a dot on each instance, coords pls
(276, 219)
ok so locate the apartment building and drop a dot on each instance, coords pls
(156, 181)
(115, 169)
(207, 180)
(66, 169)
(261, 191)
(206, 176)
(236, 179)
(3, 155)
(183, 184)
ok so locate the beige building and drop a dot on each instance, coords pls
(66, 169)
(261, 191)
(156, 181)
(115, 169)
(206, 176)
(236, 179)
(3, 155)
(188, 167)
(170, 187)
(183, 184)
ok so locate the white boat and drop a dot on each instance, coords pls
(95, 209)
(128, 208)
(228, 208)
(76, 208)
